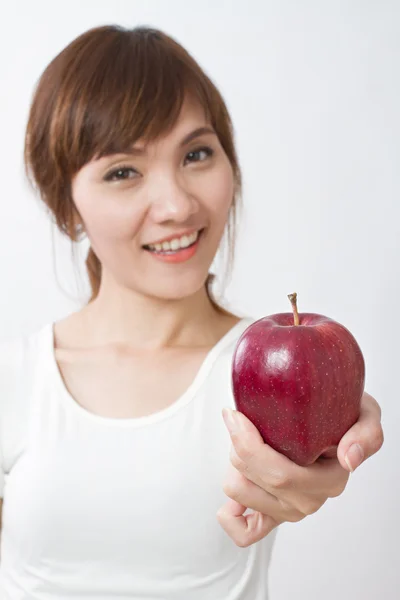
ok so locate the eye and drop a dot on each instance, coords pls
(119, 174)
(205, 149)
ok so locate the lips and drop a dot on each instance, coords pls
(172, 237)
(181, 255)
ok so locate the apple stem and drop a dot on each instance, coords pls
(293, 300)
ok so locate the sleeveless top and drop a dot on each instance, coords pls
(110, 508)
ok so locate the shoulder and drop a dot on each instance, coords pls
(227, 345)
(12, 358)
(16, 355)
(217, 382)
(15, 348)
(244, 321)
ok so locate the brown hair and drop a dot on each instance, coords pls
(105, 90)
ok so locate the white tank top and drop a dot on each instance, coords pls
(107, 508)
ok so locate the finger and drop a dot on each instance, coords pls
(276, 473)
(257, 460)
(244, 529)
(242, 490)
(325, 477)
(367, 433)
(237, 487)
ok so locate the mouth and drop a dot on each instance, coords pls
(176, 251)
(175, 246)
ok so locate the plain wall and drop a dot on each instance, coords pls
(313, 89)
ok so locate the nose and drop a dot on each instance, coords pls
(173, 203)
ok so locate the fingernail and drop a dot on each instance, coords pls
(230, 420)
(354, 457)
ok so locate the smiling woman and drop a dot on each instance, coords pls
(114, 447)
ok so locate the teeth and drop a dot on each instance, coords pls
(175, 244)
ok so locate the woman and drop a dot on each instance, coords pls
(116, 463)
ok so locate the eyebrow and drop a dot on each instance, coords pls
(188, 138)
(196, 133)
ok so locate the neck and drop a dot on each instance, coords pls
(120, 316)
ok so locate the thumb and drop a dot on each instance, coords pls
(364, 438)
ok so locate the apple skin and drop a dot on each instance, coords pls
(300, 385)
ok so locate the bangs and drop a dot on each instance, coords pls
(131, 89)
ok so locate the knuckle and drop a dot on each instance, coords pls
(313, 506)
(244, 451)
(375, 437)
(220, 516)
(294, 516)
(378, 440)
(242, 541)
(337, 490)
(339, 487)
(237, 462)
(301, 510)
(232, 489)
(285, 505)
(290, 512)
(280, 480)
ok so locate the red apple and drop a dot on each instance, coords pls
(299, 378)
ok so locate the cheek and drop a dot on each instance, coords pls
(113, 221)
(218, 192)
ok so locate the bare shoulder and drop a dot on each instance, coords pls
(70, 325)
(68, 333)
(227, 322)
(226, 319)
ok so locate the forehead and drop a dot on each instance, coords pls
(191, 116)
(191, 109)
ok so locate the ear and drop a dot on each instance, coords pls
(78, 226)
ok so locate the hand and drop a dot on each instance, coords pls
(278, 489)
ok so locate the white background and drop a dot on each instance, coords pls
(313, 88)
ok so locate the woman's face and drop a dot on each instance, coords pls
(127, 201)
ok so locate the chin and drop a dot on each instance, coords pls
(175, 288)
